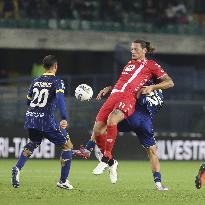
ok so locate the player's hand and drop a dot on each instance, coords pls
(93, 138)
(103, 92)
(147, 89)
(63, 124)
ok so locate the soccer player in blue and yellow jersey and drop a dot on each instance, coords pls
(45, 94)
(140, 122)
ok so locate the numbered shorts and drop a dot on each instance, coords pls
(121, 101)
(58, 137)
(141, 123)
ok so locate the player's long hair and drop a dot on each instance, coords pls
(145, 44)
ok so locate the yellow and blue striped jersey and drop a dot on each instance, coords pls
(45, 94)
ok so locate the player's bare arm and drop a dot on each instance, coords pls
(103, 92)
(166, 82)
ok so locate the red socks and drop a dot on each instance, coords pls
(110, 140)
(106, 141)
(100, 141)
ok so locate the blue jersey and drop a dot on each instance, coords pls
(140, 121)
(151, 102)
(44, 95)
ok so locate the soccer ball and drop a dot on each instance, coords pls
(83, 92)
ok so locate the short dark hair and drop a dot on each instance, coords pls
(145, 44)
(49, 61)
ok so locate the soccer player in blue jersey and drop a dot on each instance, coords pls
(45, 94)
(141, 123)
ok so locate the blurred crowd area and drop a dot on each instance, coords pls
(159, 12)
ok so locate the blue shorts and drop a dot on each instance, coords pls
(58, 137)
(141, 123)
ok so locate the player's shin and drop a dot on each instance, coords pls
(25, 154)
(100, 141)
(66, 157)
(110, 140)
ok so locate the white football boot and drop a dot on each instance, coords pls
(160, 187)
(65, 185)
(100, 168)
(15, 172)
(113, 172)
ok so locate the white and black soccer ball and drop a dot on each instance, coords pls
(83, 92)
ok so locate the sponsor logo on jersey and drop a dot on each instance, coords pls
(130, 68)
(34, 114)
(42, 84)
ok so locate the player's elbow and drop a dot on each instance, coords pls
(168, 82)
(171, 84)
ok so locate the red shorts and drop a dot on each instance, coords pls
(121, 101)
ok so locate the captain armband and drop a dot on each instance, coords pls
(60, 91)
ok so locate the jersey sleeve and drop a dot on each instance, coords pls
(157, 70)
(60, 89)
(60, 86)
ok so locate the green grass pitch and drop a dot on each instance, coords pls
(135, 184)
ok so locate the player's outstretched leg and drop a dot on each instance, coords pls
(82, 152)
(200, 178)
(85, 152)
(66, 157)
(26, 153)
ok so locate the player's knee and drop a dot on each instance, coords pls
(152, 151)
(115, 117)
(97, 131)
(99, 128)
(66, 156)
(27, 152)
(29, 148)
(62, 161)
(111, 121)
(67, 146)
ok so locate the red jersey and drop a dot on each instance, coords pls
(135, 74)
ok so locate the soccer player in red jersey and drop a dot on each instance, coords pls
(121, 102)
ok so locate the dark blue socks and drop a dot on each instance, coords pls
(66, 157)
(157, 176)
(90, 145)
(29, 148)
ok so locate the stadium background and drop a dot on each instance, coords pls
(91, 39)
